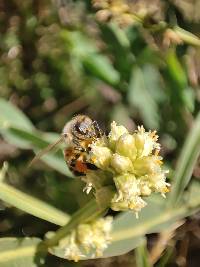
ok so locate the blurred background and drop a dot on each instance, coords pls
(126, 61)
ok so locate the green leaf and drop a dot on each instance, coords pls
(175, 69)
(181, 94)
(37, 141)
(78, 42)
(100, 67)
(140, 96)
(186, 163)
(18, 130)
(86, 52)
(119, 36)
(128, 232)
(119, 248)
(12, 116)
(118, 45)
(19, 252)
(32, 205)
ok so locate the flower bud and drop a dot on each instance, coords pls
(121, 164)
(158, 182)
(137, 203)
(100, 156)
(127, 188)
(146, 165)
(119, 205)
(115, 133)
(126, 146)
(145, 142)
(145, 188)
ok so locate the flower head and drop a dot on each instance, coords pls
(126, 12)
(86, 239)
(129, 163)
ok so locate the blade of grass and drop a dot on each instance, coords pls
(32, 205)
(142, 256)
(166, 257)
(187, 37)
(187, 161)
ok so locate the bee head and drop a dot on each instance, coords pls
(81, 127)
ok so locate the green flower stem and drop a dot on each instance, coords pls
(32, 205)
(142, 256)
(187, 37)
(89, 212)
(137, 18)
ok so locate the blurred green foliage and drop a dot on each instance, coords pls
(57, 60)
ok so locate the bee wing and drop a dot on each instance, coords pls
(46, 150)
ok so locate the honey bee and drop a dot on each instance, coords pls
(77, 134)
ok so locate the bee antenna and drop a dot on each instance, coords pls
(46, 150)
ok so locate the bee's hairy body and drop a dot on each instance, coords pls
(79, 133)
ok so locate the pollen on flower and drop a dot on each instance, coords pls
(129, 163)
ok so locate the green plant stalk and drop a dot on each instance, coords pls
(89, 212)
(184, 35)
(142, 257)
(166, 257)
(32, 205)
(187, 161)
(187, 37)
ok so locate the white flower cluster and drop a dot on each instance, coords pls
(88, 239)
(129, 162)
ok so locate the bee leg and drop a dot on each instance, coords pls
(97, 129)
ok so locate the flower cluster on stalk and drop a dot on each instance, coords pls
(126, 13)
(129, 167)
(87, 239)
